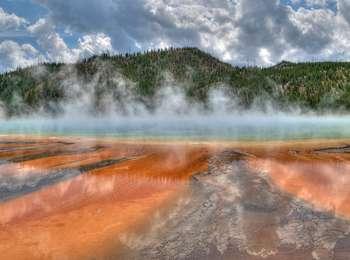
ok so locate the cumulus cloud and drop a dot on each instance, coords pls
(320, 3)
(13, 55)
(238, 31)
(344, 9)
(264, 28)
(10, 21)
(94, 44)
(327, 35)
(144, 24)
(52, 45)
(50, 41)
(56, 49)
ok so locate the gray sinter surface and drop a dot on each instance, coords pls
(233, 213)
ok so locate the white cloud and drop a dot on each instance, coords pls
(10, 21)
(329, 35)
(14, 55)
(234, 30)
(237, 31)
(316, 3)
(52, 45)
(265, 56)
(94, 44)
(50, 41)
(56, 49)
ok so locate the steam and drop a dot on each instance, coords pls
(90, 110)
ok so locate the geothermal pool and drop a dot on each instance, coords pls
(267, 192)
(199, 127)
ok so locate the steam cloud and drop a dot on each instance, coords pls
(121, 113)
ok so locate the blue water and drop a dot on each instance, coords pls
(247, 127)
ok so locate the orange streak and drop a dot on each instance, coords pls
(84, 216)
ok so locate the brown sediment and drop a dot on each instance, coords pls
(52, 153)
(84, 215)
(317, 172)
(78, 219)
(324, 184)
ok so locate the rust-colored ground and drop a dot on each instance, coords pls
(84, 215)
(310, 171)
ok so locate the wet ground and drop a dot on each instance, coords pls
(80, 198)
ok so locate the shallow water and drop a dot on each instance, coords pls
(78, 198)
(69, 198)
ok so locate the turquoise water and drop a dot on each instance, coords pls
(248, 127)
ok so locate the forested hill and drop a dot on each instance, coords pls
(322, 86)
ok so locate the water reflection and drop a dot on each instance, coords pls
(78, 191)
(65, 198)
(67, 219)
(79, 205)
(325, 184)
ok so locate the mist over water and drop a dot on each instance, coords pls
(246, 126)
(174, 116)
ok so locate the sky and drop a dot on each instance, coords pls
(241, 32)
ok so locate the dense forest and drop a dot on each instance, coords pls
(318, 86)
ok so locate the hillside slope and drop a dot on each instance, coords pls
(140, 77)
